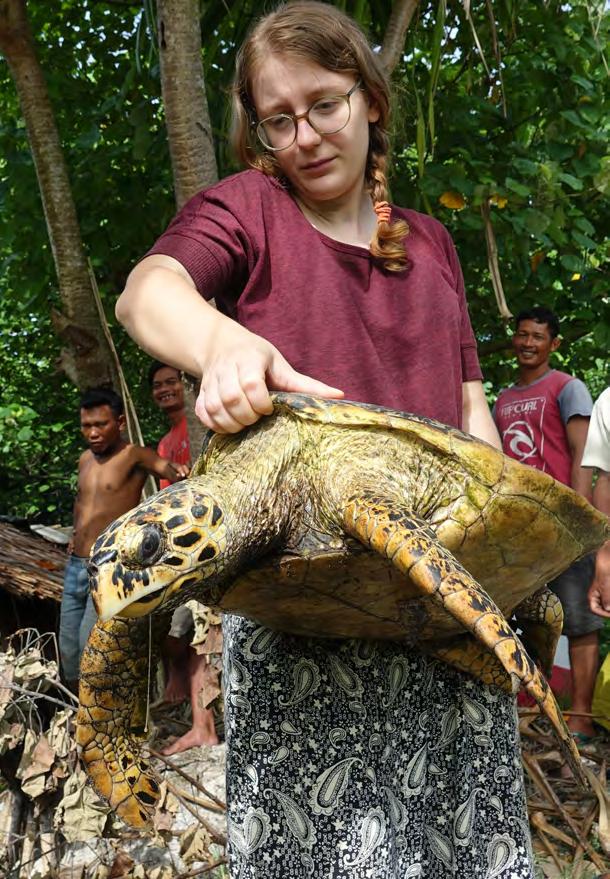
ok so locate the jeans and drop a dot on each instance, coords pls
(77, 616)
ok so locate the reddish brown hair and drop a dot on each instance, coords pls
(323, 34)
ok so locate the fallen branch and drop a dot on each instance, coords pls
(215, 835)
(200, 870)
(187, 777)
(540, 781)
(196, 801)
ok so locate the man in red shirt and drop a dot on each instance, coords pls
(186, 671)
(168, 394)
(543, 421)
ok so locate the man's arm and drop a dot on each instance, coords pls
(153, 463)
(581, 477)
(599, 591)
(76, 509)
(476, 417)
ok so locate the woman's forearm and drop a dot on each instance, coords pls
(163, 312)
(476, 417)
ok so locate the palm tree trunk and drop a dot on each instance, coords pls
(189, 132)
(86, 359)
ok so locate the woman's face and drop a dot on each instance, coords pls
(321, 168)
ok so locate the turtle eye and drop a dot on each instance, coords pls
(151, 545)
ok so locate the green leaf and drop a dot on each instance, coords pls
(584, 225)
(25, 434)
(572, 181)
(560, 151)
(601, 334)
(584, 240)
(535, 221)
(525, 166)
(582, 82)
(601, 181)
(573, 117)
(517, 187)
(420, 139)
(571, 262)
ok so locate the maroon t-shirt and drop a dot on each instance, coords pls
(398, 339)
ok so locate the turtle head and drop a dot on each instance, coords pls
(169, 544)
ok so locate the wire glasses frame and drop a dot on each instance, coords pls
(281, 120)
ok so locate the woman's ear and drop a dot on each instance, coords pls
(373, 112)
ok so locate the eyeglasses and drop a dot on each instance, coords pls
(327, 115)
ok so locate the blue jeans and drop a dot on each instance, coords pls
(77, 616)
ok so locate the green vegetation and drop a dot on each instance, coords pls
(516, 130)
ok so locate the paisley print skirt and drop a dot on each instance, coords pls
(365, 760)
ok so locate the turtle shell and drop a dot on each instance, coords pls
(512, 527)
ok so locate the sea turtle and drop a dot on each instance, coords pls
(333, 519)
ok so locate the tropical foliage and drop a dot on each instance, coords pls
(501, 132)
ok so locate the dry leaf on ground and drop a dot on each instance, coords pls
(81, 814)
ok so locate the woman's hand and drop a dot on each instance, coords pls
(164, 313)
(237, 374)
(599, 591)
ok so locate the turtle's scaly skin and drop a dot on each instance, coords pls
(342, 520)
(114, 698)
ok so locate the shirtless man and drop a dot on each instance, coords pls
(111, 474)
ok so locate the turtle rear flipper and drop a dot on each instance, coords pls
(540, 618)
(412, 547)
(468, 655)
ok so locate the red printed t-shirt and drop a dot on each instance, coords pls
(397, 339)
(174, 446)
(531, 420)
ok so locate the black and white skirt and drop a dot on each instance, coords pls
(366, 760)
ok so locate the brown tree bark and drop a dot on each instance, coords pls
(394, 40)
(86, 359)
(189, 132)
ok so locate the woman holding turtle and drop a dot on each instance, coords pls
(352, 758)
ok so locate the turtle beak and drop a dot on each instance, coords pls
(135, 597)
(109, 606)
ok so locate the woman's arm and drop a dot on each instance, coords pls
(164, 313)
(476, 417)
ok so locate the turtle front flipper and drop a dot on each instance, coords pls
(412, 547)
(540, 618)
(111, 720)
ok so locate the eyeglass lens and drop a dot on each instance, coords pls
(327, 116)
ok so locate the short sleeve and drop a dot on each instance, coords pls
(574, 399)
(208, 238)
(597, 447)
(471, 369)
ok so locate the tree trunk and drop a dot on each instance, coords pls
(394, 40)
(86, 360)
(189, 131)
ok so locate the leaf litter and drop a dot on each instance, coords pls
(54, 826)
